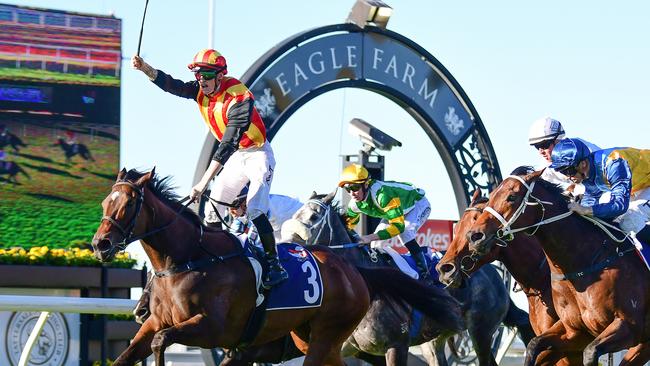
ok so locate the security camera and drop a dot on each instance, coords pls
(371, 137)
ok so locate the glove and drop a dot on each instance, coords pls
(578, 208)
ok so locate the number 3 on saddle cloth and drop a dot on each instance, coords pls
(303, 288)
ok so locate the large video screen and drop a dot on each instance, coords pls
(59, 123)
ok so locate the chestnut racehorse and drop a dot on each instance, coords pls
(601, 288)
(523, 257)
(209, 305)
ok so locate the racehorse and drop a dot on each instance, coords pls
(9, 139)
(205, 291)
(71, 150)
(484, 300)
(523, 257)
(600, 286)
(11, 168)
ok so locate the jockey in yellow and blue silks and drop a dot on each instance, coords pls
(402, 207)
(622, 171)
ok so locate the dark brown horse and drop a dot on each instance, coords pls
(601, 290)
(208, 292)
(11, 168)
(71, 150)
(523, 257)
(10, 139)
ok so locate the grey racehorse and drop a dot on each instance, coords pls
(390, 327)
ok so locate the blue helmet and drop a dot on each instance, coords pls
(568, 152)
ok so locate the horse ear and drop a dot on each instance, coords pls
(534, 175)
(121, 175)
(313, 195)
(328, 199)
(145, 178)
(476, 196)
(153, 172)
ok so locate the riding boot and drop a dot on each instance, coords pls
(275, 273)
(419, 259)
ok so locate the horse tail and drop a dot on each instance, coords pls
(433, 302)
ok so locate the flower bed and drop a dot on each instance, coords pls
(61, 257)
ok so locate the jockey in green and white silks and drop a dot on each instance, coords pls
(622, 171)
(402, 207)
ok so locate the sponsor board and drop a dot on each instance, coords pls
(435, 234)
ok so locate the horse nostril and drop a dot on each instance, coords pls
(475, 236)
(447, 268)
(104, 245)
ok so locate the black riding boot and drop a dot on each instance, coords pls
(276, 273)
(420, 261)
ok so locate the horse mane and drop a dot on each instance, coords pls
(554, 189)
(163, 188)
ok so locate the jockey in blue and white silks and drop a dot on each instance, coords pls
(622, 171)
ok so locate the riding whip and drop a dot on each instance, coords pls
(142, 26)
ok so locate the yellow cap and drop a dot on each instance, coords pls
(353, 173)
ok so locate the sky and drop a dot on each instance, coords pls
(584, 63)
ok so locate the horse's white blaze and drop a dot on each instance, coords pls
(115, 195)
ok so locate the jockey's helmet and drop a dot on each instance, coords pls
(545, 129)
(353, 173)
(208, 59)
(568, 153)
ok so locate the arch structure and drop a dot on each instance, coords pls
(345, 56)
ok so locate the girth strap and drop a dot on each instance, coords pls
(593, 269)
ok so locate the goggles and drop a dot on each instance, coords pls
(543, 144)
(569, 171)
(206, 74)
(352, 187)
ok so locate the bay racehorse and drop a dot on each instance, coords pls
(484, 299)
(601, 288)
(10, 139)
(71, 150)
(523, 257)
(11, 169)
(205, 291)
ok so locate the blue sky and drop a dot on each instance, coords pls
(582, 62)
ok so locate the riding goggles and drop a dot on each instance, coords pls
(353, 187)
(543, 144)
(206, 74)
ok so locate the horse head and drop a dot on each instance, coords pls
(459, 261)
(314, 222)
(121, 215)
(506, 208)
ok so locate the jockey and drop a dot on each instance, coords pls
(623, 171)
(244, 155)
(71, 137)
(402, 208)
(543, 135)
(281, 209)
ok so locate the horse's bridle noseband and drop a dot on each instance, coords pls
(127, 232)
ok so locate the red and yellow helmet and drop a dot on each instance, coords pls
(208, 59)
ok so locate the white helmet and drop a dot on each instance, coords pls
(544, 129)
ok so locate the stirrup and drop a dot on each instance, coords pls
(275, 275)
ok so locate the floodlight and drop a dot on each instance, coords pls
(366, 12)
(372, 137)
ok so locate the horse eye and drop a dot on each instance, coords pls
(511, 198)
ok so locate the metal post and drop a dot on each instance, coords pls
(104, 291)
(33, 336)
(210, 23)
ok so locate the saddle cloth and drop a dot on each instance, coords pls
(303, 288)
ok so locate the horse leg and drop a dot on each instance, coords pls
(193, 332)
(637, 355)
(397, 355)
(482, 342)
(140, 347)
(555, 340)
(617, 336)
(371, 359)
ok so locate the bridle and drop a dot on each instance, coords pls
(320, 224)
(127, 232)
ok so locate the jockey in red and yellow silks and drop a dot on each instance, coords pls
(243, 156)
